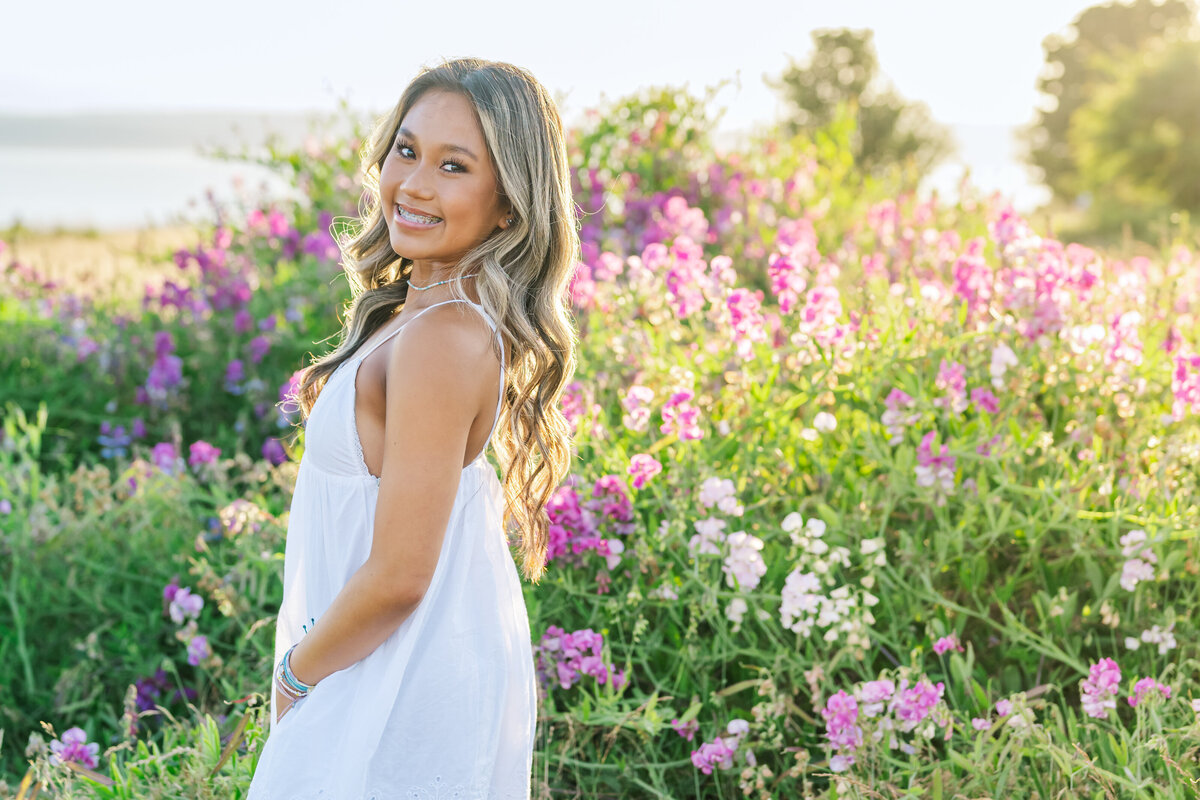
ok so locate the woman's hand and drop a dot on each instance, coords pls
(283, 702)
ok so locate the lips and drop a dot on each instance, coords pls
(414, 217)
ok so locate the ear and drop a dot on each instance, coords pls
(507, 217)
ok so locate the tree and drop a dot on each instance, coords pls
(843, 68)
(1136, 143)
(1079, 64)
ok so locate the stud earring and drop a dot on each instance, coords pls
(511, 220)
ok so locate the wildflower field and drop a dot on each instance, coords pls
(873, 496)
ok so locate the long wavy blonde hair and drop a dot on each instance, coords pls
(523, 274)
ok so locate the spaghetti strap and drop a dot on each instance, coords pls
(495, 329)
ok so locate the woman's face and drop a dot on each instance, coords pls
(438, 189)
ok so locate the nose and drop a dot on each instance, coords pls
(416, 182)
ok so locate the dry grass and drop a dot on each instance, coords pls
(108, 265)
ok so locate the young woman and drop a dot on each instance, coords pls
(405, 665)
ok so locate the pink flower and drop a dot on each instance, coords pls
(947, 643)
(202, 452)
(1185, 385)
(73, 746)
(685, 729)
(952, 379)
(1098, 692)
(643, 467)
(1148, 686)
(748, 324)
(1004, 707)
(681, 417)
(980, 723)
(841, 722)
(714, 754)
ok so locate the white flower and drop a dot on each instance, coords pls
(1132, 643)
(721, 493)
(736, 609)
(744, 566)
(1165, 639)
(615, 548)
(1133, 572)
(825, 422)
(709, 535)
(1002, 358)
(664, 592)
(738, 728)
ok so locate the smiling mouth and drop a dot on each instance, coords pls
(415, 219)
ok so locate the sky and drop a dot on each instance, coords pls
(973, 62)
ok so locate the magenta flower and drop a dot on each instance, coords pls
(258, 348)
(203, 453)
(681, 417)
(643, 467)
(1147, 687)
(1098, 692)
(983, 399)
(73, 746)
(1185, 385)
(685, 729)
(947, 643)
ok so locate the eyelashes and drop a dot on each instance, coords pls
(403, 146)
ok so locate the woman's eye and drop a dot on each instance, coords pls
(401, 148)
(458, 166)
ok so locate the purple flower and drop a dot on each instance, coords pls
(74, 747)
(198, 650)
(185, 604)
(165, 457)
(272, 450)
(258, 347)
(5, 507)
(148, 689)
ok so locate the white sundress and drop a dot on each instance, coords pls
(446, 706)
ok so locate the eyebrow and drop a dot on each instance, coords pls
(454, 148)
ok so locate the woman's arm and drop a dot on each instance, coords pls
(433, 392)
